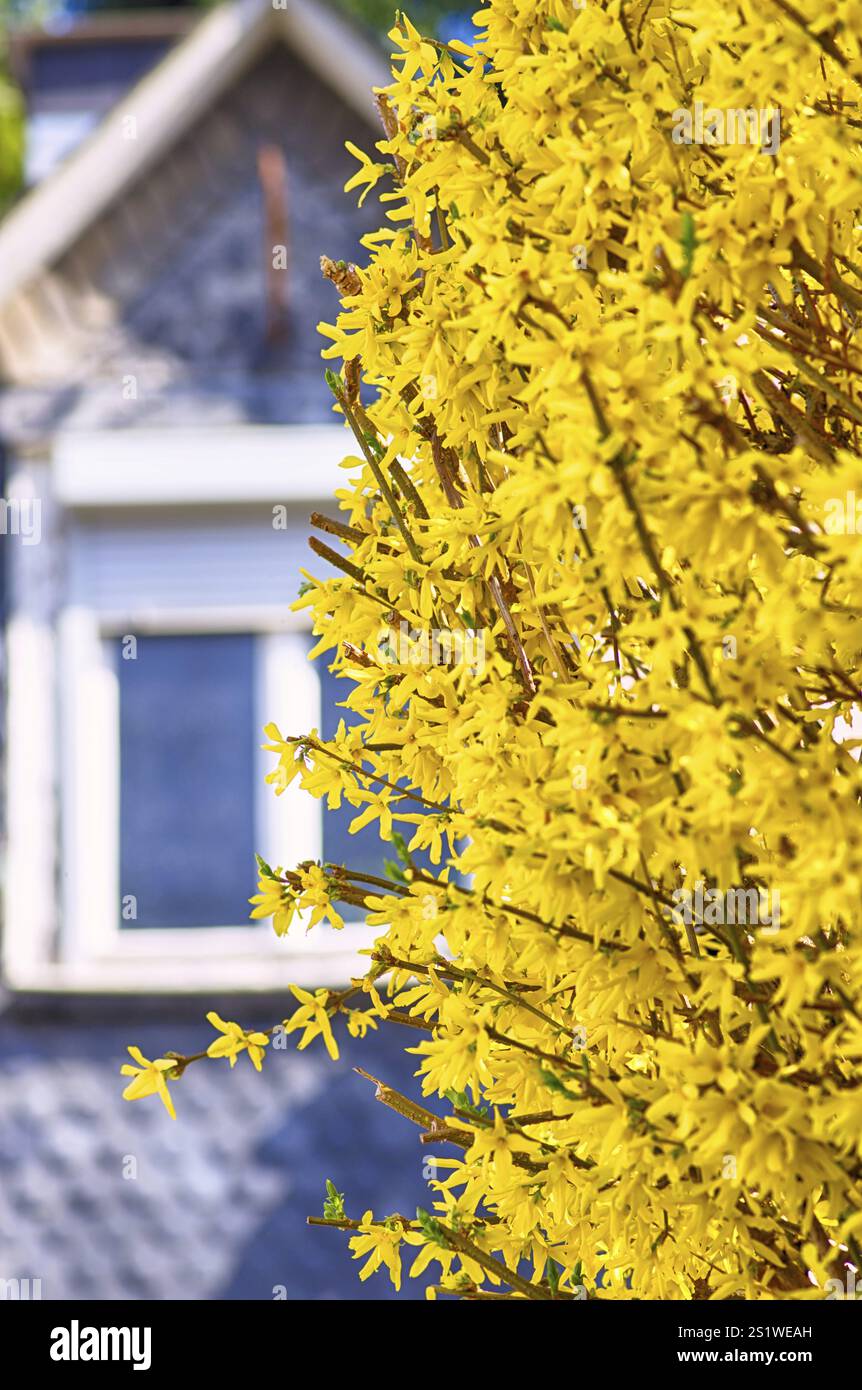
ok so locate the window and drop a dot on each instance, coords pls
(187, 767)
(189, 714)
(142, 669)
(165, 802)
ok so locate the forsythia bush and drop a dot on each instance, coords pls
(602, 368)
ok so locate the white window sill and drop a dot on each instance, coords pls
(254, 968)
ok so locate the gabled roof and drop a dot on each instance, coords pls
(159, 111)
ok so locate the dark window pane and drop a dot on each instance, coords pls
(365, 851)
(187, 727)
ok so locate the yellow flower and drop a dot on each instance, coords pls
(150, 1078)
(275, 900)
(381, 1242)
(367, 175)
(236, 1040)
(312, 1016)
(359, 1022)
(315, 894)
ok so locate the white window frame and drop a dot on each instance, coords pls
(63, 735)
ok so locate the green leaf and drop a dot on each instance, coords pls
(431, 1228)
(333, 1206)
(689, 243)
(374, 445)
(401, 850)
(459, 1100)
(265, 870)
(554, 1083)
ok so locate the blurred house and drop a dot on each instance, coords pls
(166, 431)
